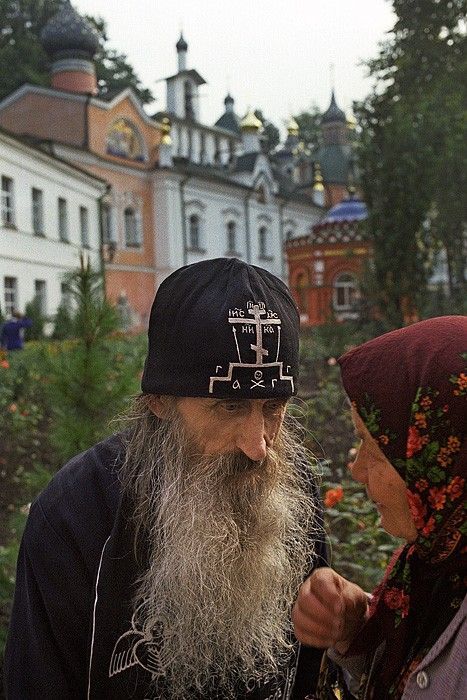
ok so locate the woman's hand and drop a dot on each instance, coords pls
(329, 610)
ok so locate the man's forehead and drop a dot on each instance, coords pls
(206, 402)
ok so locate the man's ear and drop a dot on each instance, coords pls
(159, 405)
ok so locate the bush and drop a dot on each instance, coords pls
(33, 311)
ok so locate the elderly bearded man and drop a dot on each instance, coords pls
(164, 561)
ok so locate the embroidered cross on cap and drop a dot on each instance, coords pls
(222, 328)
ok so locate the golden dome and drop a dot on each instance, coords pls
(165, 129)
(318, 179)
(250, 122)
(351, 121)
(292, 127)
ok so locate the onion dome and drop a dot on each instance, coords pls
(229, 101)
(67, 34)
(292, 127)
(181, 44)
(350, 209)
(250, 122)
(333, 112)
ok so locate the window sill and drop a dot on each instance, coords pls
(133, 246)
(232, 254)
(200, 251)
(267, 258)
(39, 234)
(12, 227)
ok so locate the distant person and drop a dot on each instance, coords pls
(12, 333)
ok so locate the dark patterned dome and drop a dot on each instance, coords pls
(181, 44)
(68, 35)
(333, 112)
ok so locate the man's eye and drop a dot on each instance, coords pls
(231, 406)
(275, 406)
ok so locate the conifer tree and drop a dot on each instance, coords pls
(90, 378)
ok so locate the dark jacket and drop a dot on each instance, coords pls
(10, 335)
(71, 633)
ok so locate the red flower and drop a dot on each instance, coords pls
(421, 485)
(384, 440)
(415, 441)
(429, 527)
(425, 402)
(5, 364)
(396, 599)
(456, 488)
(417, 508)
(437, 497)
(333, 496)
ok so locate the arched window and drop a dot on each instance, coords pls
(345, 292)
(231, 237)
(263, 242)
(194, 232)
(132, 228)
(189, 110)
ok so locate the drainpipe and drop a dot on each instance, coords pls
(101, 239)
(183, 215)
(247, 226)
(282, 204)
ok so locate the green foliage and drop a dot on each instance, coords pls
(412, 156)
(270, 133)
(113, 71)
(63, 323)
(23, 60)
(309, 123)
(90, 379)
(33, 311)
(359, 548)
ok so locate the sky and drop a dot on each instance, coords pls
(277, 55)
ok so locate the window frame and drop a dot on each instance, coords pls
(63, 222)
(8, 202)
(10, 295)
(37, 211)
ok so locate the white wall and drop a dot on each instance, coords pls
(29, 257)
(216, 204)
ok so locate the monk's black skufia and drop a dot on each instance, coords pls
(222, 328)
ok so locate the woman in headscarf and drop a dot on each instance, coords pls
(408, 393)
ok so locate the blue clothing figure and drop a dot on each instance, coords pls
(11, 336)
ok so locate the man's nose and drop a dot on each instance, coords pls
(252, 439)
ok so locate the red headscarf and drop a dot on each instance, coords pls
(409, 387)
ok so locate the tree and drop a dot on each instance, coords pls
(113, 71)
(413, 125)
(87, 385)
(309, 123)
(270, 135)
(23, 60)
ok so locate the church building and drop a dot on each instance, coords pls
(178, 190)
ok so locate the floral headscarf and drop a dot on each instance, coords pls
(409, 387)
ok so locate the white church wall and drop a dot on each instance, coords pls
(28, 257)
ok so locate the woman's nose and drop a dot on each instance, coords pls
(358, 470)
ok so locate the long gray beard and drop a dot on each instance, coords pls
(230, 541)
